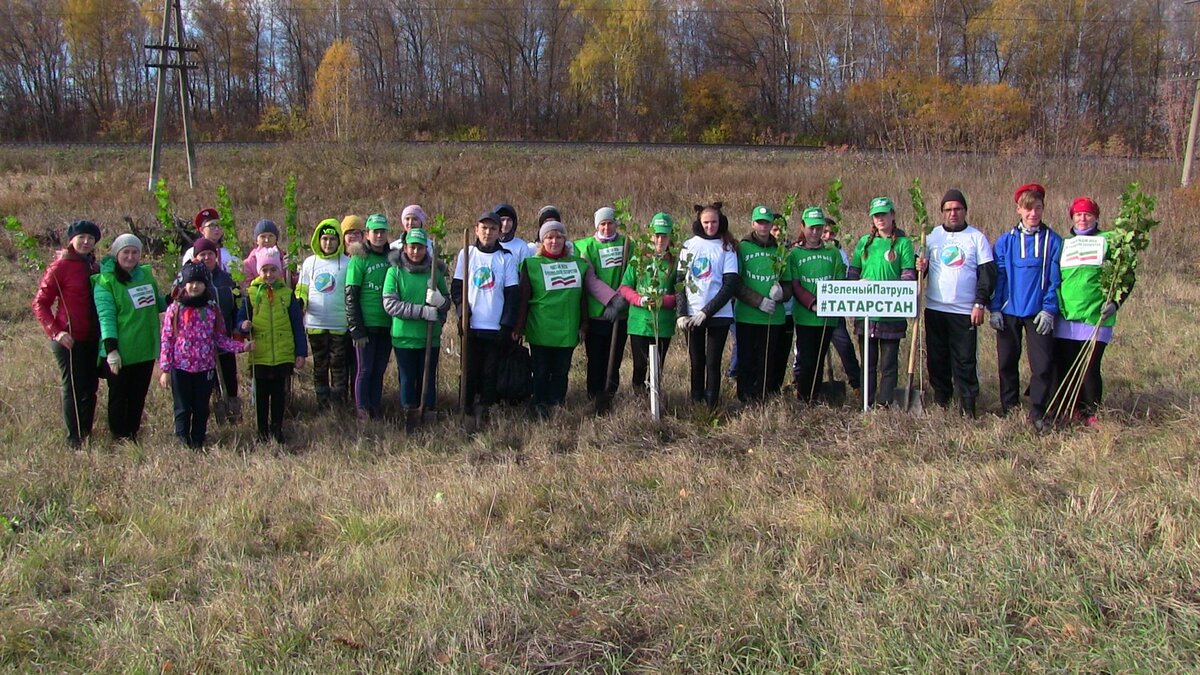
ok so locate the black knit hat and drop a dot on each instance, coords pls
(193, 271)
(83, 227)
(953, 195)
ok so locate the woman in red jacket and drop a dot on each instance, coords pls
(64, 307)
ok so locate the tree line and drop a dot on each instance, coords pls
(1056, 75)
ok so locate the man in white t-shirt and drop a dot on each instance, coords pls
(961, 277)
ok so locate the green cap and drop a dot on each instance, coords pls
(813, 216)
(377, 221)
(761, 212)
(416, 236)
(661, 223)
(881, 205)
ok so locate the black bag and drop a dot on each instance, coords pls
(514, 375)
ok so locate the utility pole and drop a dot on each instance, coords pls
(171, 57)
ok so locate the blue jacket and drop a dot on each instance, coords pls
(1027, 277)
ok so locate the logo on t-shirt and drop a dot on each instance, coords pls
(952, 256)
(560, 276)
(325, 283)
(142, 296)
(701, 268)
(483, 278)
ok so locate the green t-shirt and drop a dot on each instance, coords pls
(809, 266)
(557, 288)
(657, 274)
(883, 261)
(757, 267)
(607, 259)
(411, 287)
(369, 272)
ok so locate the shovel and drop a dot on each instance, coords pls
(833, 391)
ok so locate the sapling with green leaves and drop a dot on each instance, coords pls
(166, 219)
(833, 205)
(291, 224)
(231, 241)
(26, 244)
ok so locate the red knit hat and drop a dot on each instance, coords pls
(203, 216)
(1028, 187)
(1084, 204)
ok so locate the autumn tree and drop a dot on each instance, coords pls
(334, 110)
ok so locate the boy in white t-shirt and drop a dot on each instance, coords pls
(491, 291)
(961, 276)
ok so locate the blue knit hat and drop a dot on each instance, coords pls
(263, 226)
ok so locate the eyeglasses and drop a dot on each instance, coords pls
(953, 209)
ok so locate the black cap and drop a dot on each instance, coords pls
(489, 215)
(953, 195)
(83, 227)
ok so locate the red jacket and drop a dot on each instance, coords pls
(68, 282)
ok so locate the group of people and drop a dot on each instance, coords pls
(362, 297)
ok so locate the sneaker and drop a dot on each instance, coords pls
(1091, 421)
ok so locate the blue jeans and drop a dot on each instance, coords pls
(372, 365)
(411, 366)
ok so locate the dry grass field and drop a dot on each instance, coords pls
(770, 539)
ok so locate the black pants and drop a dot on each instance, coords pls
(551, 366)
(372, 366)
(227, 362)
(328, 352)
(1092, 391)
(952, 343)
(127, 399)
(270, 397)
(597, 345)
(1041, 365)
(79, 383)
(706, 347)
(782, 357)
(191, 392)
(640, 351)
(849, 357)
(812, 343)
(760, 363)
(883, 370)
(483, 359)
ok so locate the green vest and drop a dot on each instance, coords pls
(757, 267)
(657, 274)
(556, 289)
(606, 259)
(1080, 296)
(128, 311)
(369, 272)
(411, 287)
(808, 266)
(274, 344)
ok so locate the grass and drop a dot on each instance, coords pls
(765, 540)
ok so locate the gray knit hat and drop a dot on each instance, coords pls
(125, 241)
(603, 214)
(551, 226)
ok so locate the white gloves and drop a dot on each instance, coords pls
(767, 306)
(644, 301)
(776, 294)
(1044, 323)
(429, 313)
(434, 298)
(114, 361)
(696, 319)
(996, 321)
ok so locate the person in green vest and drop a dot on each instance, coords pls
(128, 304)
(606, 251)
(884, 255)
(810, 262)
(415, 305)
(550, 314)
(759, 311)
(274, 317)
(370, 327)
(1085, 310)
(648, 286)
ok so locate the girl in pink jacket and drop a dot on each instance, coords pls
(192, 333)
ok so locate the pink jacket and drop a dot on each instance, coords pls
(191, 337)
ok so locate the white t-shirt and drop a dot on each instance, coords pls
(519, 248)
(223, 255)
(705, 262)
(326, 300)
(490, 274)
(954, 260)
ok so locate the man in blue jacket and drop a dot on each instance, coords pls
(1026, 303)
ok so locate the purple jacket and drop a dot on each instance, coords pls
(190, 338)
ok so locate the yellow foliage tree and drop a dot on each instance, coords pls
(335, 110)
